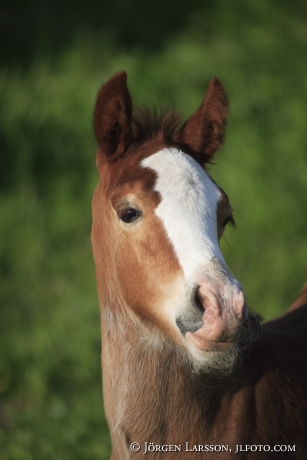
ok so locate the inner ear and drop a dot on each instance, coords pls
(203, 133)
(112, 117)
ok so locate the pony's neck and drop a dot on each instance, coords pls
(151, 392)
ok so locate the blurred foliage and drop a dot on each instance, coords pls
(54, 58)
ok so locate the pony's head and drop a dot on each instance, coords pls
(157, 220)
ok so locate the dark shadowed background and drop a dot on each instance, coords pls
(54, 56)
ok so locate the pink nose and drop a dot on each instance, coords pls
(219, 299)
(224, 311)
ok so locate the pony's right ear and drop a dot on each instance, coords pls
(112, 117)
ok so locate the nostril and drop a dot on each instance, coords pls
(197, 300)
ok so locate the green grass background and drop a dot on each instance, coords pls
(53, 59)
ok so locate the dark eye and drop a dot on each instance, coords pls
(129, 215)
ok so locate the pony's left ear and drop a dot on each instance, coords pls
(112, 117)
(203, 133)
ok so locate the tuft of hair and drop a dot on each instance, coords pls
(153, 123)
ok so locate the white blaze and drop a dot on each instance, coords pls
(188, 210)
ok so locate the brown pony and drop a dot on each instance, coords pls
(186, 373)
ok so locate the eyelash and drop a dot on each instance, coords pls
(229, 220)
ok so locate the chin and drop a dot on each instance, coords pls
(219, 361)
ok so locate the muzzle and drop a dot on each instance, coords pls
(217, 312)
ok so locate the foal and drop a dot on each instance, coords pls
(180, 373)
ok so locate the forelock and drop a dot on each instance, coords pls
(149, 124)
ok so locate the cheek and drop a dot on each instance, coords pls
(148, 269)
